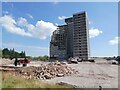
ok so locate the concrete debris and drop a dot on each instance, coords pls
(48, 71)
(66, 84)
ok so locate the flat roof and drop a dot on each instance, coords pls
(80, 12)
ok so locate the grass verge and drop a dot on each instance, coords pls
(11, 81)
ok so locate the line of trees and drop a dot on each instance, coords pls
(6, 53)
(11, 53)
(41, 58)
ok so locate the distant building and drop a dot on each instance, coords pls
(72, 39)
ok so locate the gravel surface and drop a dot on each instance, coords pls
(5, 62)
(91, 75)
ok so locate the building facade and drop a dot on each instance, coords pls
(58, 43)
(72, 39)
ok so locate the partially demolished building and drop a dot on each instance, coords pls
(72, 39)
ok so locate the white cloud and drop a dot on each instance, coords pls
(94, 32)
(90, 22)
(55, 2)
(115, 41)
(10, 25)
(5, 12)
(30, 16)
(62, 17)
(22, 21)
(40, 30)
(56, 24)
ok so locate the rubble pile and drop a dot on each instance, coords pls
(48, 71)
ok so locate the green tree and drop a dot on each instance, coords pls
(6, 53)
(30, 57)
(16, 55)
(12, 52)
(24, 54)
(21, 54)
(41, 58)
(46, 57)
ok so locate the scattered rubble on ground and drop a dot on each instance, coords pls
(4, 61)
(66, 84)
(48, 71)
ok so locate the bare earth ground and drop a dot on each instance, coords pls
(5, 61)
(91, 75)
